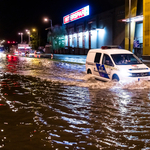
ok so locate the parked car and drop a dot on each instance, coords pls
(111, 63)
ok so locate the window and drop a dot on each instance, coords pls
(125, 59)
(97, 57)
(107, 60)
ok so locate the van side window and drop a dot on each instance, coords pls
(97, 57)
(107, 60)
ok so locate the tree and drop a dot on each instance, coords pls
(56, 37)
(34, 39)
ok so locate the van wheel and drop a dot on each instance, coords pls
(89, 71)
(115, 78)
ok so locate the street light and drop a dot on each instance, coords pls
(49, 33)
(21, 37)
(46, 20)
(28, 32)
(34, 30)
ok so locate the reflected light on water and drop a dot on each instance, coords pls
(125, 99)
(58, 106)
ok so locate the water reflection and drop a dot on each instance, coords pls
(125, 119)
(71, 58)
(54, 105)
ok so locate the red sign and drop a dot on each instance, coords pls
(76, 15)
(66, 19)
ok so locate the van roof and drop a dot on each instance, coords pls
(110, 51)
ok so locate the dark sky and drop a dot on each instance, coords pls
(18, 15)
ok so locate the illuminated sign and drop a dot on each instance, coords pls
(83, 12)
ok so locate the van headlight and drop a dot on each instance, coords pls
(125, 73)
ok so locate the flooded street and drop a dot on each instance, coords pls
(55, 105)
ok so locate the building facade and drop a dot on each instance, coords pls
(114, 27)
(134, 21)
(95, 31)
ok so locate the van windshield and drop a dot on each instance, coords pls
(125, 59)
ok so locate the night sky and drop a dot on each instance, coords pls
(16, 15)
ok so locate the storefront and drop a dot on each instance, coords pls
(85, 31)
(136, 35)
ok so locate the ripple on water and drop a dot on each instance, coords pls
(65, 114)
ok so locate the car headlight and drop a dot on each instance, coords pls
(125, 73)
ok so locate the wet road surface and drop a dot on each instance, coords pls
(47, 104)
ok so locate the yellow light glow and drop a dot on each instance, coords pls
(34, 30)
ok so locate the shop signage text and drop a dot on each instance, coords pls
(83, 12)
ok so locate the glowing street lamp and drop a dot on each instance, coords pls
(34, 30)
(28, 32)
(46, 20)
(21, 36)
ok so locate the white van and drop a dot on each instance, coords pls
(112, 63)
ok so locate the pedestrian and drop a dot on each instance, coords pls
(51, 56)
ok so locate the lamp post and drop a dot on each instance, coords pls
(50, 32)
(129, 25)
(46, 19)
(28, 32)
(21, 37)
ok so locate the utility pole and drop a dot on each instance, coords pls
(129, 25)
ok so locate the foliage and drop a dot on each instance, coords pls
(56, 37)
(34, 39)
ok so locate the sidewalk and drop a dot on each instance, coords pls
(145, 59)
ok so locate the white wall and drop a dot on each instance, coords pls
(70, 38)
(101, 35)
(93, 39)
(75, 39)
(80, 40)
(86, 38)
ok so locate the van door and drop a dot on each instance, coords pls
(107, 66)
(97, 64)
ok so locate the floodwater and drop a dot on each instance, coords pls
(54, 105)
